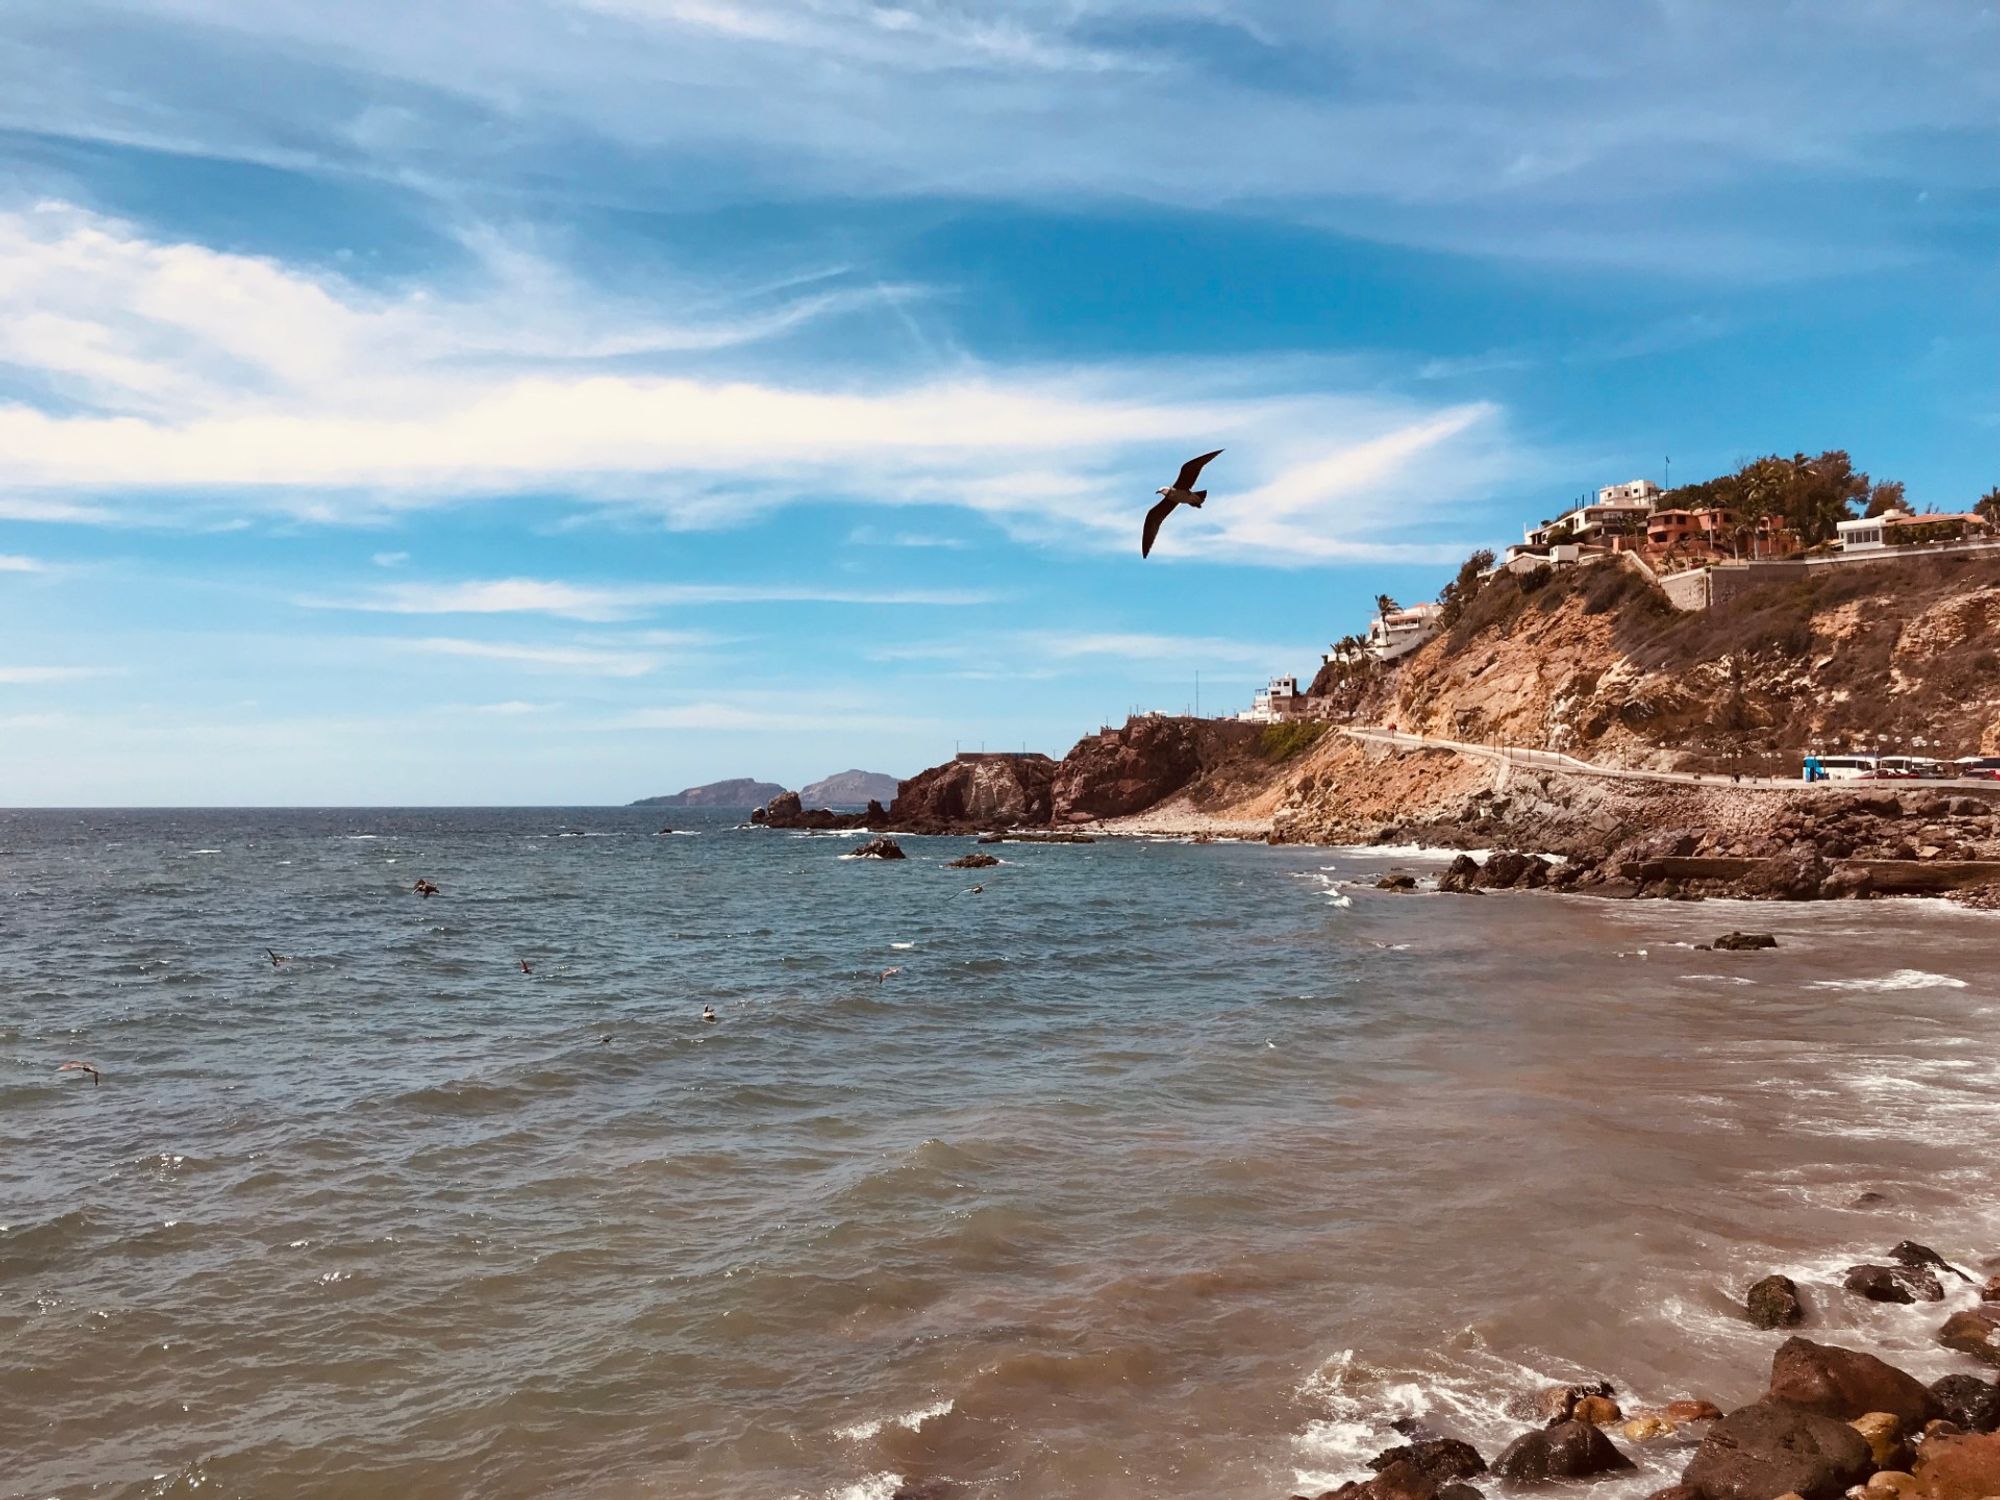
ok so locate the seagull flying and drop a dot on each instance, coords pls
(82, 1067)
(277, 957)
(1177, 493)
(883, 977)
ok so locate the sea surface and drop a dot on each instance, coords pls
(1159, 1170)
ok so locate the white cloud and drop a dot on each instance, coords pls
(511, 708)
(1544, 127)
(334, 403)
(22, 675)
(14, 563)
(610, 602)
(389, 559)
(726, 717)
(588, 661)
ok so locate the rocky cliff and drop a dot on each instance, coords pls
(1594, 662)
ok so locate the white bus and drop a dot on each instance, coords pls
(1840, 767)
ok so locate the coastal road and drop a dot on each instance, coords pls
(1555, 760)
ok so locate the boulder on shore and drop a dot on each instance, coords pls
(1774, 1302)
(1568, 1450)
(1767, 1449)
(1507, 869)
(1894, 1283)
(1968, 1402)
(880, 847)
(1973, 1332)
(1845, 1384)
(1965, 1466)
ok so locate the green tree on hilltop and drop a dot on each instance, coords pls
(1988, 506)
(1885, 497)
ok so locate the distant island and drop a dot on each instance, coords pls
(741, 792)
(851, 789)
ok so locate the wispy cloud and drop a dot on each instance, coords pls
(723, 717)
(14, 563)
(24, 675)
(609, 602)
(389, 559)
(512, 708)
(589, 661)
(332, 405)
(1589, 134)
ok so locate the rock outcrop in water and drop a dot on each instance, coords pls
(1775, 1302)
(788, 810)
(974, 793)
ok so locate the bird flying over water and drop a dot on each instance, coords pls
(883, 977)
(526, 967)
(277, 957)
(82, 1067)
(425, 888)
(1180, 492)
(708, 1012)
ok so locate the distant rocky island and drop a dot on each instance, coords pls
(851, 789)
(741, 792)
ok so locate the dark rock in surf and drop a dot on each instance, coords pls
(1396, 883)
(1845, 1383)
(1769, 1449)
(1441, 1458)
(1973, 1332)
(1568, 1450)
(1557, 1403)
(973, 862)
(1968, 1402)
(880, 847)
(1910, 1253)
(1459, 876)
(1743, 942)
(1774, 1302)
(1869, 1199)
(1509, 868)
(1894, 1283)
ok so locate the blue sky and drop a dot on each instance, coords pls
(570, 400)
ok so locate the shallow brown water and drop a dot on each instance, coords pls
(1159, 1170)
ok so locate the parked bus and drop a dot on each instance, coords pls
(1840, 767)
(1911, 765)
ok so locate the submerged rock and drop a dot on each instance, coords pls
(1769, 1449)
(1774, 1302)
(1396, 883)
(1744, 942)
(1845, 1383)
(1693, 1411)
(880, 847)
(973, 862)
(1968, 1402)
(1973, 1332)
(1568, 1450)
(1894, 1283)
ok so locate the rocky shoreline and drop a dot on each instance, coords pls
(1832, 1423)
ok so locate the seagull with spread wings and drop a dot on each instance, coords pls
(1180, 492)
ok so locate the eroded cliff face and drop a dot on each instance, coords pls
(1595, 664)
(975, 794)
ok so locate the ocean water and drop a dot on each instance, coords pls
(1158, 1171)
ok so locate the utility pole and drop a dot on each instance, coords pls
(1197, 693)
(1667, 477)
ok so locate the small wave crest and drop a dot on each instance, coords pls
(1901, 979)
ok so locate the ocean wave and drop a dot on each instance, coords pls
(910, 1421)
(1901, 979)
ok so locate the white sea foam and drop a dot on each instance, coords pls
(860, 1432)
(1901, 979)
(902, 945)
(204, 851)
(1718, 979)
(874, 1487)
